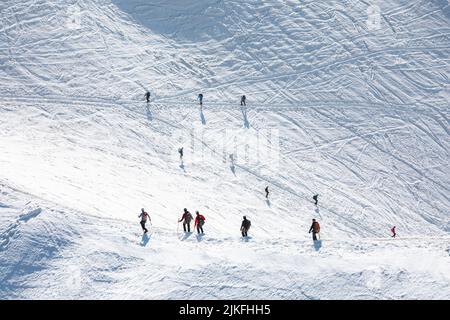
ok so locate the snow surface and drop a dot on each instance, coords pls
(355, 113)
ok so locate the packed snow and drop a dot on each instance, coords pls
(345, 99)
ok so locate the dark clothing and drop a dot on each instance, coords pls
(200, 98)
(143, 226)
(186, 218)
(393, 232)
(243, 101)
(245, 227)
(315, 228)
(315, 198)
(147, 96)
(199, 229)
(267, 192)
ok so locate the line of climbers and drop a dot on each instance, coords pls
(199, 98)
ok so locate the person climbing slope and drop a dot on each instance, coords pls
(199, 222)
(180, 151)
(394, 234)
(186, 218)
(144, 217)
(315, 229)
(147, 96)
(243, 98)
(245, 226)
(315, 198)
(267, 192)
(200, 98)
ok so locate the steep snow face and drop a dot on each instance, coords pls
(344, 99)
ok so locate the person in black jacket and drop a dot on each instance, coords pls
(243, 100)
(245, 226)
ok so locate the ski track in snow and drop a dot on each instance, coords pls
(362, 117)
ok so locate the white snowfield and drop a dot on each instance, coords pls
(347, 99)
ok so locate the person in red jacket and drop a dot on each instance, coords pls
(393, 232)
(199, 222)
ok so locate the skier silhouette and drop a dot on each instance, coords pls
(267, 192)
(180, 151)
(200, 98)
(147, 96)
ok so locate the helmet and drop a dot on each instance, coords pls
(196, 212)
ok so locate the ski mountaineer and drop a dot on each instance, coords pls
(200, 98)
(186, 218)
(144, 216)
(199, 222)
(315, 198)
(147, 96)
(243, 101)
(315, 228)
(267, 192)
(180, 151)
(393, 232)
(245, 226)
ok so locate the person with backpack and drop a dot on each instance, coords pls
(200, 98)
(186, 218)
(243, 100)
(267, 192)
(315, 198)
(144, 217)
(199, 222)
(394, 234)
(315, 228)
(147, 96)
(245, 226)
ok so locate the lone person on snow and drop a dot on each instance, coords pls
(180, 151)
(144, 216)
(186, 218)
(200, 98)
(199, 222)
(245, 226)
(243, 100)
(147, 96)
(315, 228)
(315, 198)
(267, 192)
(393, 232)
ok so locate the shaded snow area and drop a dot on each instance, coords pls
(345, 99)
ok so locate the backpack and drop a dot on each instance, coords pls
(316, 227)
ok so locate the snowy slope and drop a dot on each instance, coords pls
(359, 116)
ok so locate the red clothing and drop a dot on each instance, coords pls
(198, 219)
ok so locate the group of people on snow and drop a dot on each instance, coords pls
(200, 219)
(187, 218)
(199, 98)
